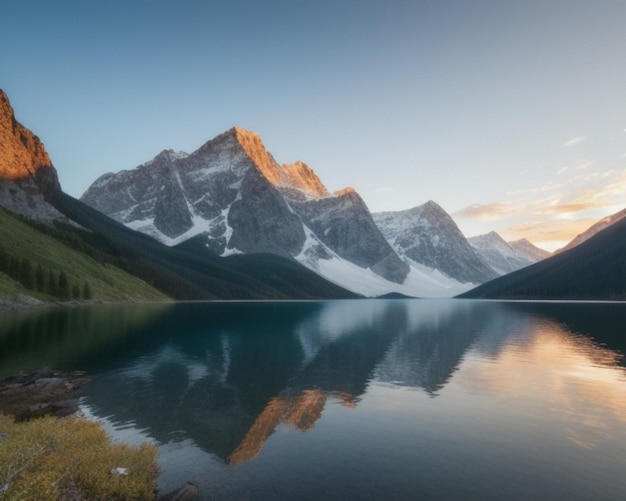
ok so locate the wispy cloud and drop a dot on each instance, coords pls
(551, 214)
(572, 142)
(485, 211)
(376, 188)
(546, 235)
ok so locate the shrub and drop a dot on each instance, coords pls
(71, 458)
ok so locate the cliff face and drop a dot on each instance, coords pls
(27, 177)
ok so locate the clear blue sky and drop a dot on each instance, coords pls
(509, 114)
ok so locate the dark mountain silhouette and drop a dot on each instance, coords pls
(594, 269)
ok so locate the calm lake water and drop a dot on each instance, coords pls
(371, 399)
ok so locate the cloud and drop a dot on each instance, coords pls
(548, 234)
(376, 188)
(483, 211)
(572, 142)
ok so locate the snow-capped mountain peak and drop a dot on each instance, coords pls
(233, 192)
(427, 235)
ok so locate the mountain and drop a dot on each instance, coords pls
(237, 199)
(498, 254)
(526, 249)
(597, 227)
(47, 229)
(594, 270)
(27, 176)
(427, 235)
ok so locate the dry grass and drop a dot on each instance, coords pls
(71, 459)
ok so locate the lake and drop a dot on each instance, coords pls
(360, 399)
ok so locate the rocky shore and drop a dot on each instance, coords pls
(41, 393)
(50, 392)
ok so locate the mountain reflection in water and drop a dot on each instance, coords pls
(228, 381)
(525, 398)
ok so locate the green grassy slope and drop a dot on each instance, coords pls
(20, 239)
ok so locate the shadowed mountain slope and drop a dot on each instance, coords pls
(595, 269)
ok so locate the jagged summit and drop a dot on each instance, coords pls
(297, 176)
(527, 249)
(27, 176)
(499, 254)
(301, 177)
(23, 154)
(167, 155)
(427, 235)
(344, 191)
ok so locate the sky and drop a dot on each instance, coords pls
(511, 114)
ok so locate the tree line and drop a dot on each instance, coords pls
(35, 277)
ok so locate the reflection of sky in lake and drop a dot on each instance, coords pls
(308, 399)
(560, 374)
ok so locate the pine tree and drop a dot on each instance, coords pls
(87, 291)
(52, 283)
(4, 260)
(39, 278)
(14, 267)
(27, 277)
(63, 291)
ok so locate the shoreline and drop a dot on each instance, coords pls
(29, 303)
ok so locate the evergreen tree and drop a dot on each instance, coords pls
(14, 267)
(4, 259)
(75, 291)
(87, 291)
(27, 276)
(52, 284)
(63, 291)
(39, 278)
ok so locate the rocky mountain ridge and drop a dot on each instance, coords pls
(427, 235)
(27, 177)
(527, 249)
(233, 193)
(498, 253)
(593, 230)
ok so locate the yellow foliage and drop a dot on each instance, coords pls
(71, 458)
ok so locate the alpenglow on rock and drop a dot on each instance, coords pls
(27, 178)
(233, 192)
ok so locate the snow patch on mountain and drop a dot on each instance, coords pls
(421, 281)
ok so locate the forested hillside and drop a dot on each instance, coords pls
(43, 262)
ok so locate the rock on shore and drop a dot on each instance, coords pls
(41, 393)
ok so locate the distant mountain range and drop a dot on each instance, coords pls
(594, 269)
(227, 221)
(427, 235)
